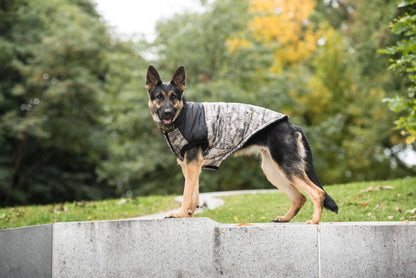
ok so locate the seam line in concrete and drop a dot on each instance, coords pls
(319, 252)
(51, 268)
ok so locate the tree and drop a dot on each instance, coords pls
(364, 33)
(335, 81)
(344, 118)
(51, 72)
(404, 63)
(284, 26)
(136, 150)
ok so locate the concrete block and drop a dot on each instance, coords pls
(134, 248)
(26, 252)
(200, 247)
(266, 250)
(367, 249)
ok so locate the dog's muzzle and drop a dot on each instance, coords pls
(166, 115)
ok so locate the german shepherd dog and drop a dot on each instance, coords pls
(285, 151)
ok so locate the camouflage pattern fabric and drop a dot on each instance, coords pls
(229, 126)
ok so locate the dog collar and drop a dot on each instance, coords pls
(167, 128)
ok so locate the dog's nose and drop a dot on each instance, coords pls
(167, 112)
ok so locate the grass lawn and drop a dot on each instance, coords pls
(85, 211)
(366, 201)
(393, 200)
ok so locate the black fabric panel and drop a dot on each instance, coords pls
(192, 123)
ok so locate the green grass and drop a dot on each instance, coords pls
(355, 202)
(85, 211)
(396, 202)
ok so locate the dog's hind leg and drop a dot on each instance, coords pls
(276, 177)
(191, 168)
(316, 194)
(301, 181)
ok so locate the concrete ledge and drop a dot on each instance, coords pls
(26, 252)
(266, 250)
(376, 249)
(128, 248)
(200, 247)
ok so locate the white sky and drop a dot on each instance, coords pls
(140, 16)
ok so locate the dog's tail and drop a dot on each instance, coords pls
(329, 203)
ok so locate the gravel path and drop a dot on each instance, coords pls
(208, 200)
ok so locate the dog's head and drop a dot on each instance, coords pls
(165, 98)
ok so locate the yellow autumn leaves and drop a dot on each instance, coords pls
(282, 25)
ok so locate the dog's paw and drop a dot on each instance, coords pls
(280, 219)
(310, 222)
(173, 215)
(179, 215)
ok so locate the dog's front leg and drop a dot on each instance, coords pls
(191, 168)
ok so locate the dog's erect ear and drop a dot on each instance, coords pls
(178, 78)
(152, 78)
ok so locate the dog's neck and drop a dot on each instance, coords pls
(168, 128)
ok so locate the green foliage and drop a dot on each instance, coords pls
(51, 91)
(340, 102)
(198, 41)
(136, 149)
(404, 63)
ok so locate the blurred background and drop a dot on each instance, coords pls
(74, 117)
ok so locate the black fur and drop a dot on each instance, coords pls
(192, 154)
(279, 138)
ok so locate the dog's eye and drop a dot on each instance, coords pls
(159, 97)
(173, 97)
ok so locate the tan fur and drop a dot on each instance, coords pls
(191, 171)
(276, 177)
(153, 105)
(316, 194)
(302, 152)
